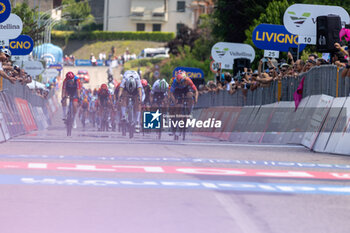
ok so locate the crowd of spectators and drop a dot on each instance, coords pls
(11, 72)
(270, 70)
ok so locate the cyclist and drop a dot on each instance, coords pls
(181, 87)
(104, 101)
(131, 86)
(93, 107)
(159, 91)
(70, 88)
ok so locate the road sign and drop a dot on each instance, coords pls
(307, 40)
(156, 74)
(271, 53)
(214, 66)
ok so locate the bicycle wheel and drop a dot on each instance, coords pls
(69, 121)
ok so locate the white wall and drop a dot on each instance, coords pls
(119, 20)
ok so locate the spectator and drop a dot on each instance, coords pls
(309, 64)
(5, 55)
(338, 59)
(298, 66)
(93, 60)
(313, 57)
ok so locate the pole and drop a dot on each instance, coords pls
(298, 51)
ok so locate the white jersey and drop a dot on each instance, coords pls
(127, 75)
(156, 87)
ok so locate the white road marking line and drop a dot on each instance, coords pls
(238, 214)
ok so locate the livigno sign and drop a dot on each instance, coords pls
(5, 10)
(274, 37)
(225, 53)
(191, 72)
(22, 45)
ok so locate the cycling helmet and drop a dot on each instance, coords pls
(70, 75)
(131, 85)
(163, 85)
(104, 86)
(144, 82)
(181, 76)
(6, 51)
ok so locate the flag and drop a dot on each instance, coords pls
(298, 94)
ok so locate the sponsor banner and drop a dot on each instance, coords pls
(179, 184)
(33, 68)
(192, 73)
(49, 74)
(225, 53)
(11, 28)
(5, 10)
(274, 37)
(4, 133)
(300, 19)
(175, 170)
(22, 45)
(26, 114)
(58, 67)
(81, 62)
(11, 115)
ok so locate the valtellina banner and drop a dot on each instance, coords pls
(275, 37)
(300, 19)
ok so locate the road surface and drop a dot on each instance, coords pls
(96, 182)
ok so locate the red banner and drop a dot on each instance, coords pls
(26, 114)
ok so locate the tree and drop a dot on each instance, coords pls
(186, 36)
(233, 17)
(76, 12)
(273, 15)
(28, 16)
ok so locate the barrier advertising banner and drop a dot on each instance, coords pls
(275, 37)
(26, 114)
(300, 19)
(225, 53)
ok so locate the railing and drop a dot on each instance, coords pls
(325, 79)
(22, 91)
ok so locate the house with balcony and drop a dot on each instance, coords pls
(153, 15)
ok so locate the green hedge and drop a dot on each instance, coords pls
(65, 36)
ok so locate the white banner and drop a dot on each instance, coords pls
(11, 28)
(300, 19)
(225, 53)
(33, 68)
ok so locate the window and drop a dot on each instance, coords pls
(140, 27)
(181, 6)
(157, 27)
(178, 28)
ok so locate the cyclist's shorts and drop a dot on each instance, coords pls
(180, 92)
(158, 96)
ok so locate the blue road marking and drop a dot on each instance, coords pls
(281, 188)
(177, 159)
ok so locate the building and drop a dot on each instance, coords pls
(153, 15)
